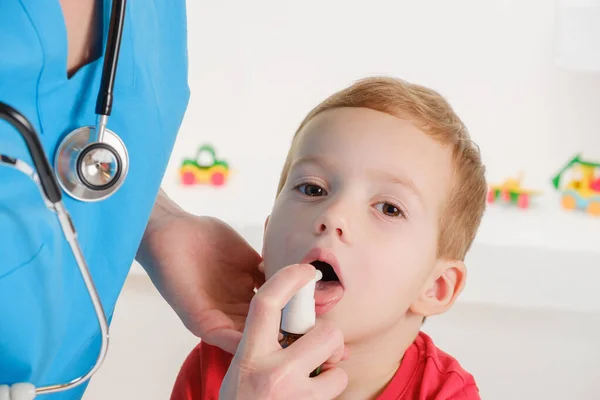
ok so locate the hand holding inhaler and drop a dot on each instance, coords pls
(264, 368)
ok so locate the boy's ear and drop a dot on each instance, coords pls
(442, 288)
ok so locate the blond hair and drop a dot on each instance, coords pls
(429, 111)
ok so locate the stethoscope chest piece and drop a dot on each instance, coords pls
(91, 170)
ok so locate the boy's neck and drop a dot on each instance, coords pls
(374, 361)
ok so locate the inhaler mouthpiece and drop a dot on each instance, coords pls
(299, 313)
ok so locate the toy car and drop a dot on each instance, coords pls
(205, 168)
(582, 191)
(511, 192)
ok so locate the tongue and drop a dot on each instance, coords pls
(326, 292)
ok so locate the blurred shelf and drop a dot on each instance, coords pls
(544, 225)
(544, 257)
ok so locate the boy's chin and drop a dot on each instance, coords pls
(345, 323)
(336, 315)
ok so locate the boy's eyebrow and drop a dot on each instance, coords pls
(403, 181)
(321, 161)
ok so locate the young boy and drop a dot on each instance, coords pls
(383, 177)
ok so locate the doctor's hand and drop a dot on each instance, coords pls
(205, 270)
(261, 369)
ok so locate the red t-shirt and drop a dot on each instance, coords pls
(426, 373)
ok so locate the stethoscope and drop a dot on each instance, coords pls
(91, 164)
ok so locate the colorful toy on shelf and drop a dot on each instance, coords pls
(511, 192)
(582, 191)
(205, 168)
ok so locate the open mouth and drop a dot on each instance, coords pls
(327, 270)
(328, 290)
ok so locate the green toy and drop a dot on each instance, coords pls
(215, 172)
(583, 191)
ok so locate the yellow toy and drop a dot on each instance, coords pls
(511, 192)
(210, 171)
(583, 190)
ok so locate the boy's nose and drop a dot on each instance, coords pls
(332, 224)
(323, 228)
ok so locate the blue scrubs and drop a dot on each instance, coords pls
(48, 330)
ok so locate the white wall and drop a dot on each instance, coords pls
(257, 67)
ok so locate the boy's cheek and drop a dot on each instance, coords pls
(388, 289)
(270, 268)
(274, 259)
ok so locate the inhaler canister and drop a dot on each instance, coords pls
(299, 313)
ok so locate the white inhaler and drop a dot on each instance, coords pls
(299, 315)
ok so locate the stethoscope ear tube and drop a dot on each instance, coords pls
(111, 60)
(34, 146)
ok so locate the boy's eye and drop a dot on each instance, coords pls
(389, 209)
(310, 189)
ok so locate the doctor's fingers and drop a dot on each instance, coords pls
(262, 324)
(324, 344)
(328, 384)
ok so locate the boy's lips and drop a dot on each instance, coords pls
(327, 293)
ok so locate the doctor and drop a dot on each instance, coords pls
(51, 61)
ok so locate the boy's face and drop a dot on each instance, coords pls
(365, 193)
